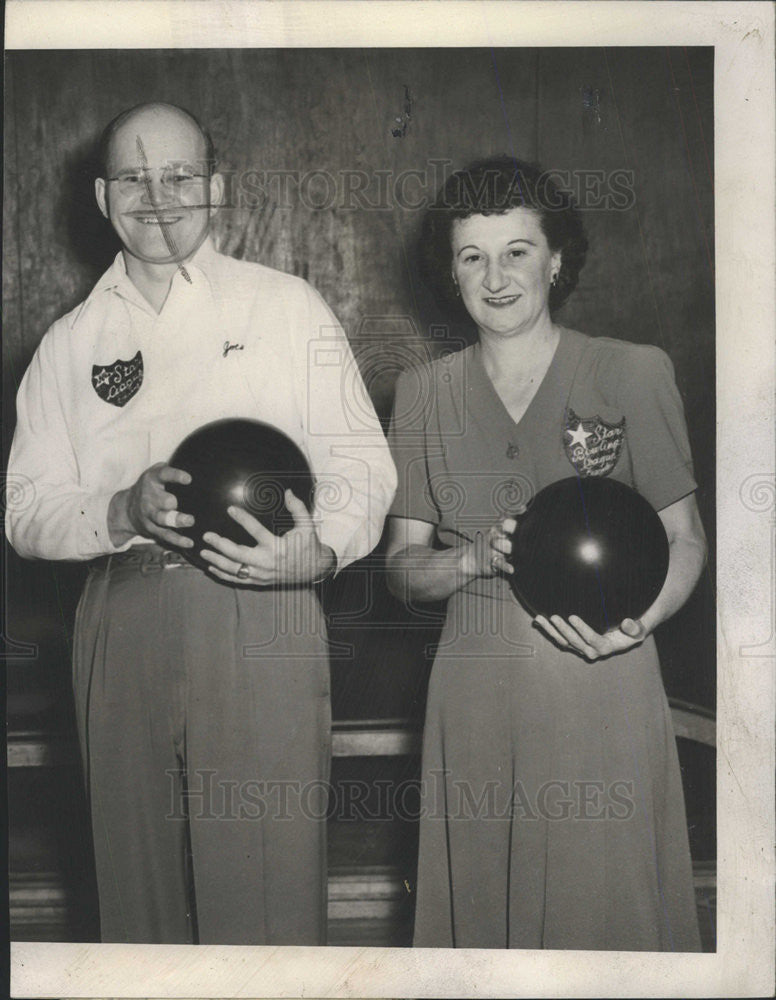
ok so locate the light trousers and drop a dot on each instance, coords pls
(204, 721)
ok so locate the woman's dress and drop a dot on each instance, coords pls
(552, 811)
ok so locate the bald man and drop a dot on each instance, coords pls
(202, 697)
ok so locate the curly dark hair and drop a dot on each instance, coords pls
(493, 187)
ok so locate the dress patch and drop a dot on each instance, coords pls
(592, 446)
(118, 383)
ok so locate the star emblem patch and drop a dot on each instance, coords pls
(117, 383)
(592, 446)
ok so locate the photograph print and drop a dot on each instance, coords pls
(360, 497)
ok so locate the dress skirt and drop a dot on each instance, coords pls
(553, 813)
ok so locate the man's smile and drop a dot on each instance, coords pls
(156, 218)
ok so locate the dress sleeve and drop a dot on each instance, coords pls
(408, 439)
(656, 428)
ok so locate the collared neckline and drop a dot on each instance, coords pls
(488, 407)
(116, 278)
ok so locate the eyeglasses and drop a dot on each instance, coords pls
(175, 179)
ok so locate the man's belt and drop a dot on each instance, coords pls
(144, 558)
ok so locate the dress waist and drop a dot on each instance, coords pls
(495, 588)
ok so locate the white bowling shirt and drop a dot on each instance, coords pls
(114, 387)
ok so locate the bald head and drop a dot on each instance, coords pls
(157, 188)
(154, 118)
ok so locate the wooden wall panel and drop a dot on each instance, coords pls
(334, 112)
(12, 290)
(649, 276)
(647, 114)
(319, 115)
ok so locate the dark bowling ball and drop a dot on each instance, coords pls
(244, 463)
(589, 547)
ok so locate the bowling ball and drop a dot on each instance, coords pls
(590, 547)
(242, 463)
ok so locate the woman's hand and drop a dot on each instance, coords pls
(486, 555)
(576, 636)
(416, 571)
(298, 557)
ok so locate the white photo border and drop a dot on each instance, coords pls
(743, 36)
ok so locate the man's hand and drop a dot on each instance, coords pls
(576, 636)
(297, 557)
(147, 509)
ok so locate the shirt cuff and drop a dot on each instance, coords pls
(94, 533)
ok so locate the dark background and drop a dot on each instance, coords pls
(598, 115)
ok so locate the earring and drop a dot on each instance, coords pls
(554, 282)
(457, 289)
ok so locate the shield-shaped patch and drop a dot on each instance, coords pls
(118, 383)
(592, 446)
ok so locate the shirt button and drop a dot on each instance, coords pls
(512, 450)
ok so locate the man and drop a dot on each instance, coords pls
(202, 698)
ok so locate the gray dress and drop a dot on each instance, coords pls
(552, 811)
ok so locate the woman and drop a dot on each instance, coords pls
(553, 814)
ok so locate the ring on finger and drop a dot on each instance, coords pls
(243, 573)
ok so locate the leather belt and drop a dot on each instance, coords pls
(145, 559)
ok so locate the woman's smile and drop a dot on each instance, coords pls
(500, 301)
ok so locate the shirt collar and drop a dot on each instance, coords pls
(112, 278)
(116, 278)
